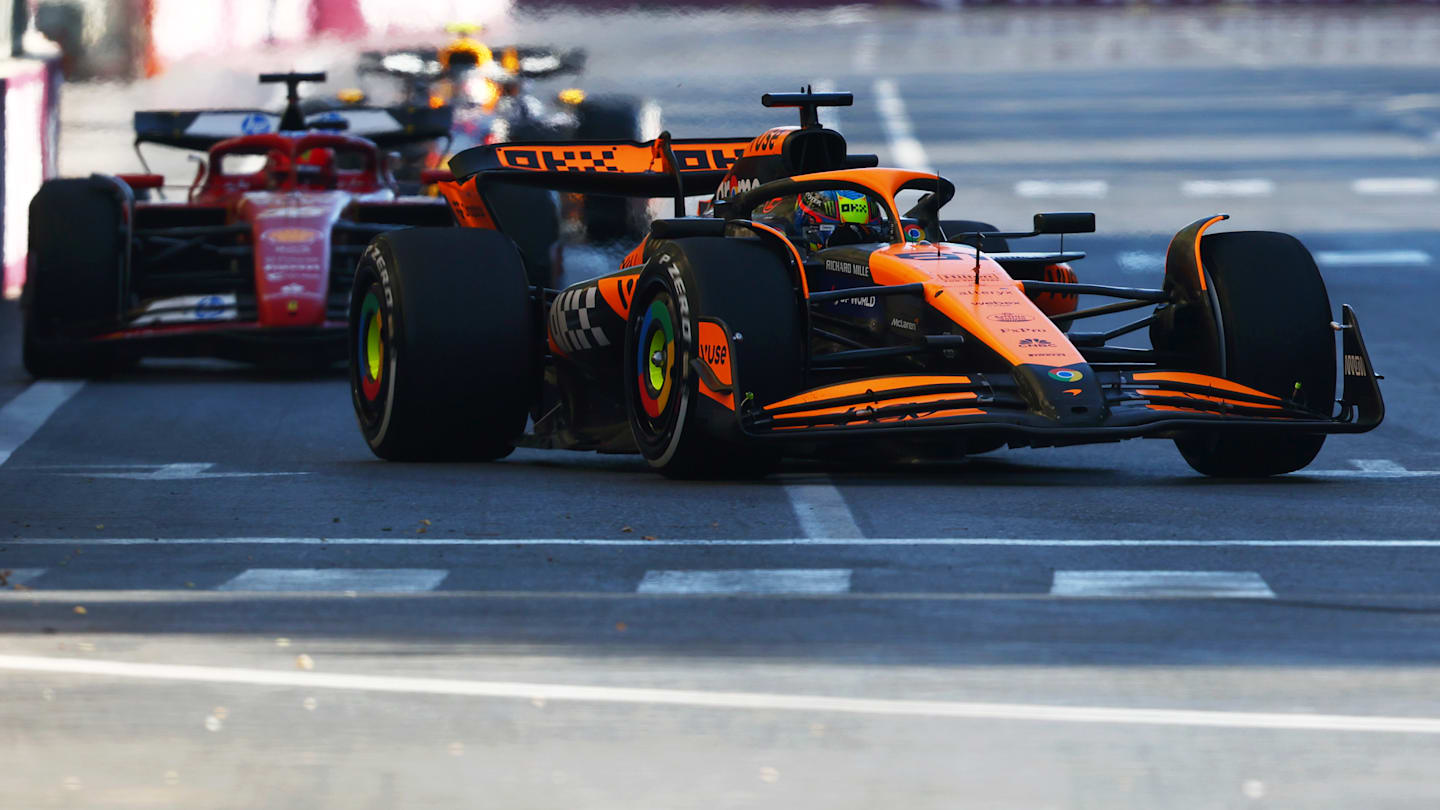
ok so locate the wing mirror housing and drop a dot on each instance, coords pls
(1061, 223)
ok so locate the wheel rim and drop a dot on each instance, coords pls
(656, 365)
(371, 334)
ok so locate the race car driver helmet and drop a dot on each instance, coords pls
(277, 169)
(840, 216)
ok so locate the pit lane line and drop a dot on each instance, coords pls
(752, 701)
(24, 415)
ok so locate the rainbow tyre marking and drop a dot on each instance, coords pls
(1065, 374)
(654, 377)
(372, 346)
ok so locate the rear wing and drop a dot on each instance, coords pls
(530, 62)
(621, 168)
(201, 129)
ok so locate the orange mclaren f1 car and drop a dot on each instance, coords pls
(802, 312)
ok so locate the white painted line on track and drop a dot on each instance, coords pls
(818, 540)
(184, 471)
(360, 580)
(1376, 258)
(822, 511)
(754, 701)
(1089, 189)
(1247, 187)
(1141, 261)
(829, 116)
(754, 580)
(1395, 185)
(1374, 468)
(20, 576)
(27, 412)
(1181, 584)
(905, 149)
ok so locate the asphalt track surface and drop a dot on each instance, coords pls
(225, 601)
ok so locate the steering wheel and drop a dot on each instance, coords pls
(849, 233)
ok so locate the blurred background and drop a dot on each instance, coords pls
(1317, 118)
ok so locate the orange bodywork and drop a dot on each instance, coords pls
(469, 208)
(1191, 378)
(877, 386)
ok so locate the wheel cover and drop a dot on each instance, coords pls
(655, 363)
(371, 335)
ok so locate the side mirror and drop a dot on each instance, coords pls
(1064, 223)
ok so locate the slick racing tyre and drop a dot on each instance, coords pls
(73, 290)
(444, 345)
(681, 431)
(1275, 315)
(609, 218)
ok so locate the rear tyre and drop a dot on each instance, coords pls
(608, 218)
(444, 345)
(1276, 319)
(73, 287)
(682, 432)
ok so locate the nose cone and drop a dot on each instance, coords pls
(1069, 395)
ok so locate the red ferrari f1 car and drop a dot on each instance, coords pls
(804, 312)
(254, 264)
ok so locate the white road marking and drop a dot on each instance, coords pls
(1185, 584)
(651, 120)
(186, 471)
(29, 410)
(1140, 261)
(362, 580)
(1395, 185)
(1373, 468)
(822, 511)
(905, 150)
(1090, 189)
(20, 576)
(1248, 187)
(829, 116)
(818, 540)
(753, 701)
(1378, 258)
(865, 46)
(754, 580)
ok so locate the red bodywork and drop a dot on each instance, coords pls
(318, 198)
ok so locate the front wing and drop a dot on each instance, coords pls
(1150, 402)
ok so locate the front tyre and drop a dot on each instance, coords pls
(444, 345)
(680, 430)
(1275, 316)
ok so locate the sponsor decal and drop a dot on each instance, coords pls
(571, 320)
(902, 324)
(292, 289)
(1011, 317)
(1035, 343)
(914, 233)
(1066, 375)
(292, 212)
(932, 256)
(255, 124)
(734, 186)
(291, 236)
(188, 309)
(209, 308)
(848, 268)
(1354, 366)
(1023, 330)
(859, 301)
